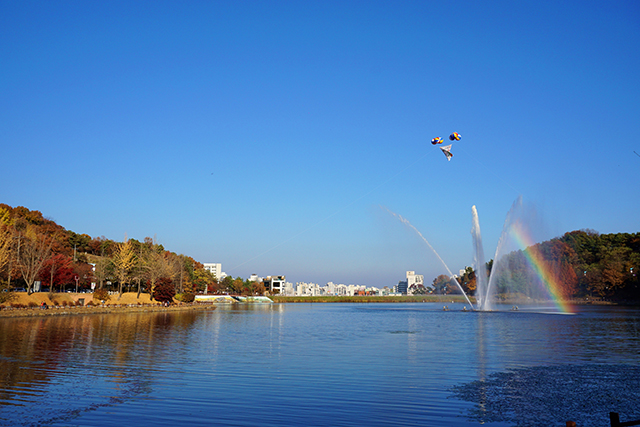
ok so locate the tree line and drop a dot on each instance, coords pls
(34, 248)
(580, 264)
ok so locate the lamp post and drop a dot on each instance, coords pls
(76, 283)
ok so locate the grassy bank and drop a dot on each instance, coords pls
(22, 304)
(72, 298)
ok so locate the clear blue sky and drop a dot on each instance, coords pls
(270, 135)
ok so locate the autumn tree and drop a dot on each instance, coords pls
(123, 260)
(6, 239)
(84, 272)
(226, 284)
(58, 270)
(103, 270)
(442, 284)
(33, 250)
(203, 280)
(468, 281)
(155, 264)
(237, 285)
(164, 290)
(613, 269)
(252, 287)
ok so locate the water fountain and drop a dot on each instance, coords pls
(521, 219)
(517, 218)
(453, 279)
(481, 270)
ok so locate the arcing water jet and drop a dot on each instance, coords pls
(408, 224)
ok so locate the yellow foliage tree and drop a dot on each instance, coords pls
(124, 261)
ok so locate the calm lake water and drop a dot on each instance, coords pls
(322, 365)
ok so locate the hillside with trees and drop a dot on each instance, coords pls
(580, 264)
(34, 248)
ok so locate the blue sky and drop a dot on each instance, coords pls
(272, 136)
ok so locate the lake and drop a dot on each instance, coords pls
(331, 364)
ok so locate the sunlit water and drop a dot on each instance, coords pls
(321, 365)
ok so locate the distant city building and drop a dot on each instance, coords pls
(215, 269)
(289, 290)
(307, 289)
(402, 287)
(274, 284)
(413, 282)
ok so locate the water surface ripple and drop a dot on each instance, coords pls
(319, 365)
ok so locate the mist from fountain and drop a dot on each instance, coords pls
(513, 216)
(519, 217)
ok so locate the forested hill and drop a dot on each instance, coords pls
(34, 248)
(579, 264)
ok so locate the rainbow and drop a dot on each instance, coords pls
(534, 258)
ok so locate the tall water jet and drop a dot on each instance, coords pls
(481, 269)
(498, 259)
(451, 276)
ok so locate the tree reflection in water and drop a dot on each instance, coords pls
(54, 368)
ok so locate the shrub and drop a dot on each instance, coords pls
(100, 295)
(188, 297)
(32, 304)
(7, 296)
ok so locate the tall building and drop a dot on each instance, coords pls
(215, 269)
(402, 287)
(413, 282)
(414, 279)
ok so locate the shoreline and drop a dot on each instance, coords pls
(63, 304)
(99, 309)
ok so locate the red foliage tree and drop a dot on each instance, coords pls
(164, 290)
(58, 270)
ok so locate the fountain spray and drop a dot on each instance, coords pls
(408, 224)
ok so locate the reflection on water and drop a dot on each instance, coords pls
(78, 363)
(307, 364)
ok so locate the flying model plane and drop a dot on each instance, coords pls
(447, 151)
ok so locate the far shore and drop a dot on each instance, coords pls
(24, 305)
(444, 299)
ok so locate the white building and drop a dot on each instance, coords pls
(274, 284)
(414, 281)
(289, 290)
(215, 269)
(307, 289)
